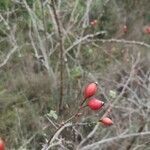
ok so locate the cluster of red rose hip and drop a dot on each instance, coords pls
(146, 29)
(93, 103)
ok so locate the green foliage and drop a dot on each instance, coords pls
(49, 26)
(112, 94)
(53, 114)
(30, 2)
(76, 72)
(4, 4)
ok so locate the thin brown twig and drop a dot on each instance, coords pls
(53, 5)
(83, 101)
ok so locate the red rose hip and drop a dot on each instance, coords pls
(147, 30)
(95, 104)
(106, 121)
(125, 29)
(90, 90)
(93, 23)
(2, 144)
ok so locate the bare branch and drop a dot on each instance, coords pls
(88, 37)
(8, 56)
(90, 135)
(55, 136)
(83, 39)
(122, 41)
(120, 137)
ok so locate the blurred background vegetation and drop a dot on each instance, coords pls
(29, 90)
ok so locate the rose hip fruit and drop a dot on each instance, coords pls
(95, 104)
(93, 23)
(125, 29)
(106, 121)
(90, 90)
(2, 144)
(147, 30)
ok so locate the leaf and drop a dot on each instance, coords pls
(112, 94)
(53, 114)
(90, 51)
(76, 72)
